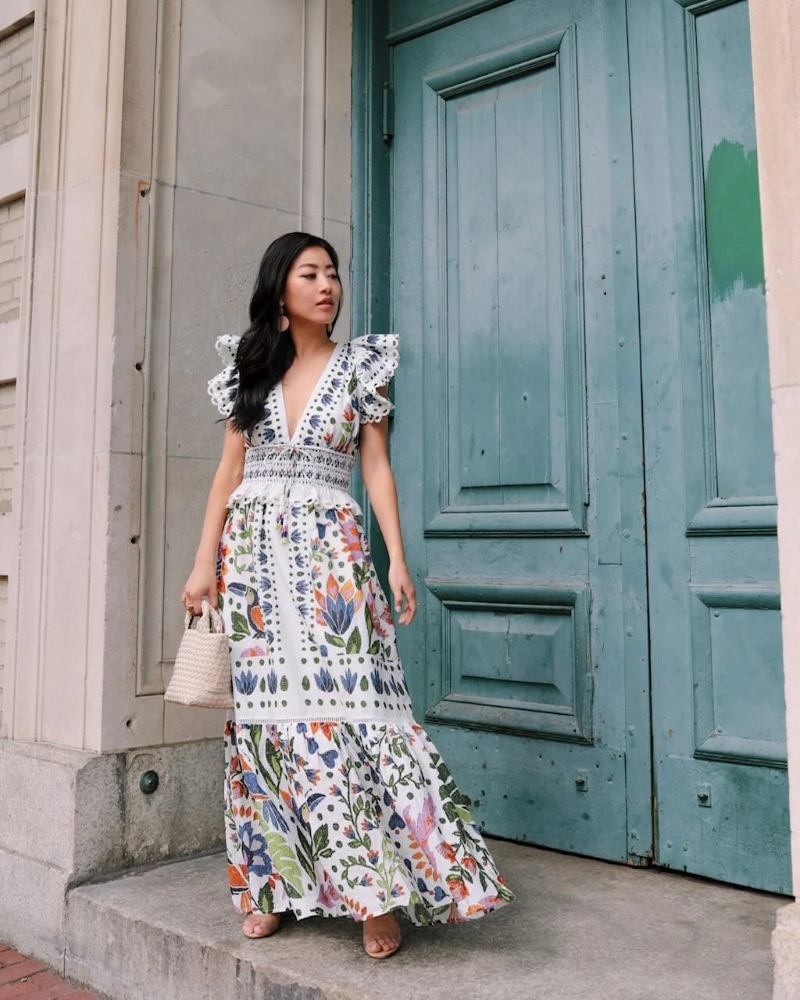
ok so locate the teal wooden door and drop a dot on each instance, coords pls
(718, 712)
(517, 441)
(582, 440)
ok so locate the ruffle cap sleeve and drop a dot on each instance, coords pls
(222, 388)
(376, 358)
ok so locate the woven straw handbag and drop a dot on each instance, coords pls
(202, 674)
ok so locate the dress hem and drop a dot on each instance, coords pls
(440, 915)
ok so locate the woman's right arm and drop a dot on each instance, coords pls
(202, 581)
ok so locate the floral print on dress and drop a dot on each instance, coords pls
(337, 803)
(332, 819)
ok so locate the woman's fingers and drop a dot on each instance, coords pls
(194, 602)
(410, 609)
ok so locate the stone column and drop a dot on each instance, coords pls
(170, 142)
(775, 32)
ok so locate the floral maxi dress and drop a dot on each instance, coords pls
(336, 801)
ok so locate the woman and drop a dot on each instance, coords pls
(336, 801)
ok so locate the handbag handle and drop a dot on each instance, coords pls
(210, 620)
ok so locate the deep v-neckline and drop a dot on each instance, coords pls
(301, 420)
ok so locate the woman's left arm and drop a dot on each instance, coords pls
(379, 482)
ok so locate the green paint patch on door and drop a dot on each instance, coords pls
(733, 220)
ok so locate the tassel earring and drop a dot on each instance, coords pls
(283, 322)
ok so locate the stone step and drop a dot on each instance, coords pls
(579, 929)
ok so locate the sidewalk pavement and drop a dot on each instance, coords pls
(21, 977)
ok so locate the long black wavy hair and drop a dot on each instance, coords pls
(265, 354)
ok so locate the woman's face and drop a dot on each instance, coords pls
(312, 289)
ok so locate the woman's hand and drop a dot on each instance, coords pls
(201, 583)
(405, 600)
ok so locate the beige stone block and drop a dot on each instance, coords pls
(8, 121)
(53, 57)
(22, 881)
(14, 174)
(337, 111)
(16, 208)
(70, 441)
(13, 229)
(84, 99)
(184, 816)
(20, 90)
(140, 90)
(338, 233)
(775, 40)
(9, 545)
(786, 414)
(120, 719)
(101, 820)
(23, 767)
(182, 723)
(241, 99)
(188, 483)
(11, 270)
(34, 493)
(786, 952)
(218, 244)
(128, 316)
(23, 56)
(109, 690)
(10, 78)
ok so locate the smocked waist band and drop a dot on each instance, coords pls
(269, 464)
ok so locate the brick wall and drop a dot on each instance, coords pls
(12, 221)
(16, 53)
(8, 393)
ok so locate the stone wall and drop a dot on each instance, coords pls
(8, 394)
(16, 66)
(170, 142)
(3, 615)
(16, 57)
(12, 222)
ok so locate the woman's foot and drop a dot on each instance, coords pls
(381, 936)
(260, 925)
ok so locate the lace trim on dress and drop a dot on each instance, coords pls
(376, 359)
(222, 387)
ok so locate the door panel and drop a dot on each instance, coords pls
(718, 714)
(515, 448)
(513, 255)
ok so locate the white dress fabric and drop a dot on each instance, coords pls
(336, 801)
